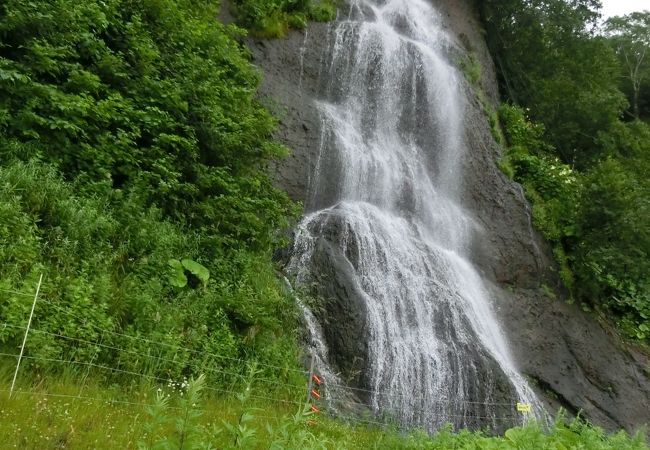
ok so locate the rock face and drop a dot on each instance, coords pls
(573, 361)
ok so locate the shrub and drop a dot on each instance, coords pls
(551, 186)
(273, 18)
(130, 135)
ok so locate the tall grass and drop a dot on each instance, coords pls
(60, 414)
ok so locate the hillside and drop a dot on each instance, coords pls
(442, 205)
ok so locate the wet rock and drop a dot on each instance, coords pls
(577, 362)
(570, 357)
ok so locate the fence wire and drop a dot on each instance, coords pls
(84, 321)
(355, 419)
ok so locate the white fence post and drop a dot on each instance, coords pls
(310, 383)
(22, 348)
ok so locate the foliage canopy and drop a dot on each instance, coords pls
(629, 36)
(581, 163)
(131, 136)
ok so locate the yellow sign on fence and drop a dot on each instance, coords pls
(524, 407)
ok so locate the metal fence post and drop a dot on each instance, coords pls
(22, 348)
(310, 383)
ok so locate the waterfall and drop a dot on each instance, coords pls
(386, 228)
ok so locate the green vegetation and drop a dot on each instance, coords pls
(629, 38)
(578, 141)
(548, 183)
(552, 62)
(188, 417)
(132, 175)
(471, 68)
(274, 18)
(133, 156)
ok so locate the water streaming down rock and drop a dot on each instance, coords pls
(406, 317)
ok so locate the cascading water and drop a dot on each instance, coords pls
(387, 219)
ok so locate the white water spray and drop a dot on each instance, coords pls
(393, 141)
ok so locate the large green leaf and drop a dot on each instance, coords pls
(196, 269)
(177, 276)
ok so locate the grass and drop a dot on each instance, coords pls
(54, 416)
(62, 413)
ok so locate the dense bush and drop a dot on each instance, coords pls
(551, 185)
(273, 18)
(154, 97)
(598, 221)
(613, 254)
(130, 136)
(584, 168)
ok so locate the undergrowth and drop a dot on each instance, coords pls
(61, 414)
(133, 155)
(274, 18)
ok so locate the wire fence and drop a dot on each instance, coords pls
(494, 414)
(203, 353)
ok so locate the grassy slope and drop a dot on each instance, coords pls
(67, 414)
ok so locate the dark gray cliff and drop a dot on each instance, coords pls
(573, 360)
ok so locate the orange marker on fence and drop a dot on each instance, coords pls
(316, 379)
(314, 409)
(314, 393)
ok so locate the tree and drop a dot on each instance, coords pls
(552, 62)
(613, 253)
(630, 38)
